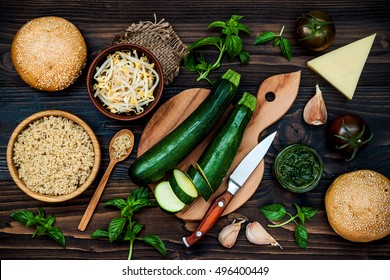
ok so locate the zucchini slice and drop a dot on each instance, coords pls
(183, 187)
(167, 199)
(200, 170)
(198, 178)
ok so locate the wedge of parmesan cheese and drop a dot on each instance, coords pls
(342, 67)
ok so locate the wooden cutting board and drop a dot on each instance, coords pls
(274, 98)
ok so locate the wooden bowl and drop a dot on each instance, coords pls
(102, 56)
(14, 172)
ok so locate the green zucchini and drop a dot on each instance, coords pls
(203, 186)
(183, 187)
(153, 165)
(167, 199)
(218, 156)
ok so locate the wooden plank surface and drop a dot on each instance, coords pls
(99, 21)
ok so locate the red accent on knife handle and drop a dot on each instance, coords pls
(210, 218)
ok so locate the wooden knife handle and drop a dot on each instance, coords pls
(210, 218)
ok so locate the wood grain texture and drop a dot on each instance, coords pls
(99, 21)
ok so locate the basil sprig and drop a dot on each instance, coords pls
(43, 224)
(284, 44)
(276, 212)
(228, 42)
(125, 228)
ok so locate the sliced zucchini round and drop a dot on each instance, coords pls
(167, 199)
(183, 187)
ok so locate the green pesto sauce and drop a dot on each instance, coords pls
(298, 168)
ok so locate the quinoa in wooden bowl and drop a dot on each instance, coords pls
(53, 156)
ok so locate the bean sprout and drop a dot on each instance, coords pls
(125, 82)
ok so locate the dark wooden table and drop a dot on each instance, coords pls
(99, 21)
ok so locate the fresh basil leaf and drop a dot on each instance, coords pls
(189, 62)
(300, 214)
(25, 217)
(229, 42)
(99, 233)
(209, 41)
(227, 31)
(56, 234)
(136, 228)
(202, 66)
(301, 236)
(39, 231)
(217, 23)
(309, 212)
(116, 227)
(286, 48)
(127, 212)
(119, 203)
(143, 192)
(43, 225)
(243, 28)
(234, 27)
(244, 57)
(32, 222)
(141, 203)
(264, 37)
(129, 236)
(233, 45)
(41, 213)
(157, 243)
(277, 41)
(273, 212)
(231, 26)
(236, 18)
(140, 193)
(49, 221)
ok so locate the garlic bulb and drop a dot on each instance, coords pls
(256, 234)
(228, 235)
(314, 112)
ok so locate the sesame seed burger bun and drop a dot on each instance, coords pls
(49, 53)
(358, 206)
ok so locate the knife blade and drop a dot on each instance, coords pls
(236, 180)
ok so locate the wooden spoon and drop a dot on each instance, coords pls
(114, 159)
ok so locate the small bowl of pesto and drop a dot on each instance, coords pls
(298, 168)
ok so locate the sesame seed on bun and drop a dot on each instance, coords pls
(49, 53)
(358, 206)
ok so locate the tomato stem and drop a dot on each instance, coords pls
(352, 141)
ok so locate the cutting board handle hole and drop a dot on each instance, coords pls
(270, 96)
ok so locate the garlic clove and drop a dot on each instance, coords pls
(257, 234)
(228, 235)
(314, 112)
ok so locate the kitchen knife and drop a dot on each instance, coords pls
(235, 182)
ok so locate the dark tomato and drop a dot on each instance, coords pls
(348, 134)
(315, 30)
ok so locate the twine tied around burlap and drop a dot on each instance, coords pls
(161, 40)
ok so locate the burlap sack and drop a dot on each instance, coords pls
(161, 40)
